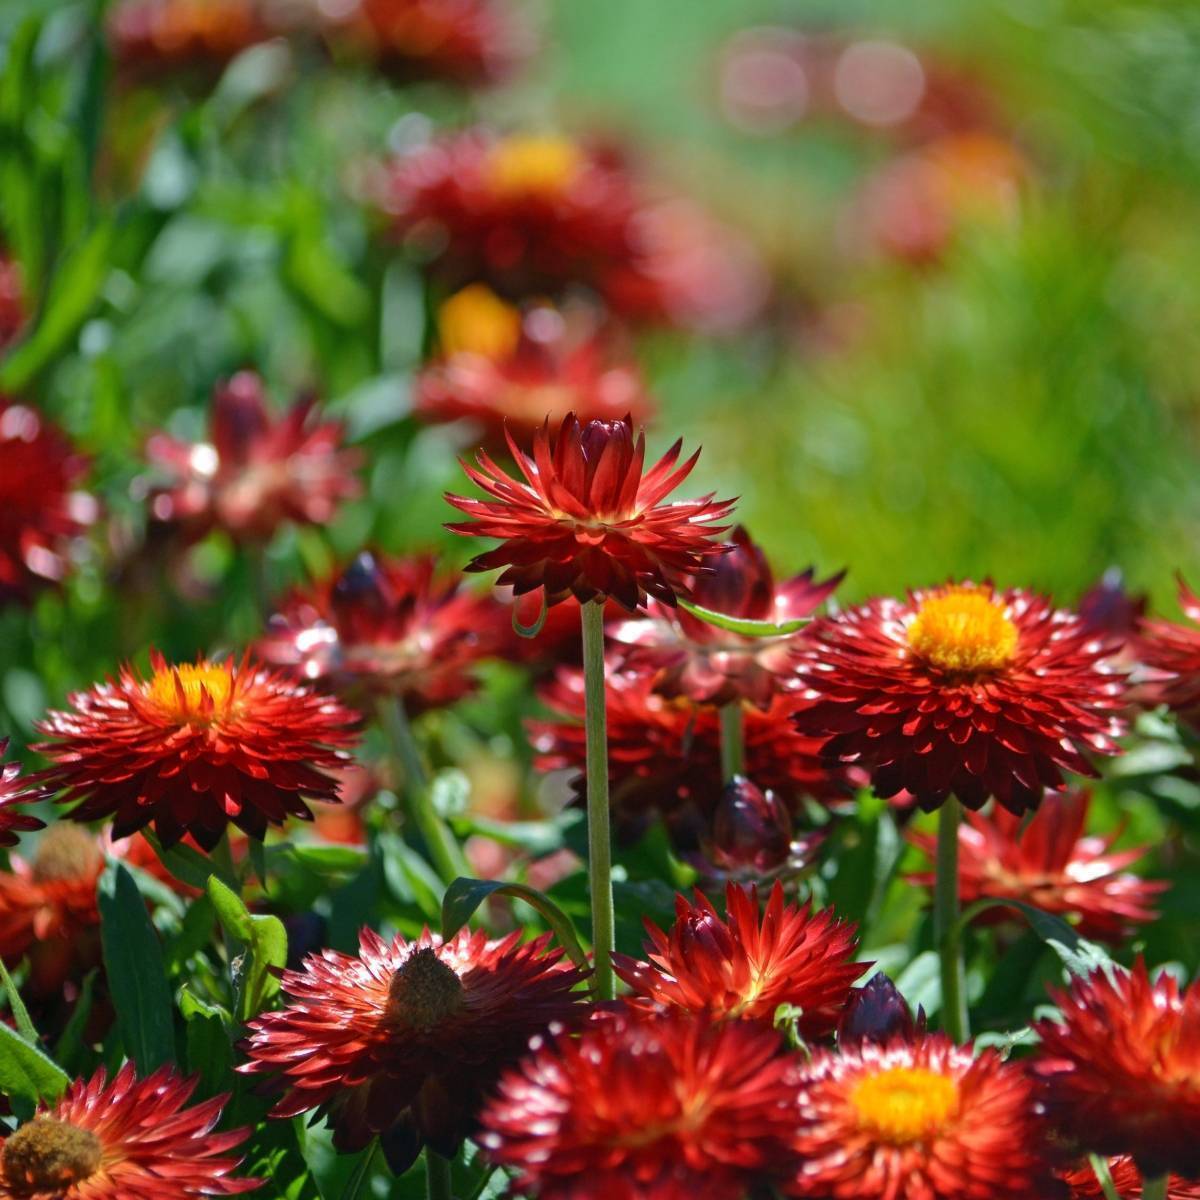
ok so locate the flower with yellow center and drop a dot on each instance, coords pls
(905, 1104)
(532, 165)
(50, 1156)
(963, 630)
(476, 321)
(192, 693)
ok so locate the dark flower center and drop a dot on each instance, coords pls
(66, 852)
(424, 991)
(49, 1156)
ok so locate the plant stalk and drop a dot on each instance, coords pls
(437, 1176)
(947, 932)
(733, 745)
(1154, 1189)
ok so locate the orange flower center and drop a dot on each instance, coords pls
(963, 629)
(48, 1156)
(200, 693)
(66, 851)
(904, 1104)
(424, 991)
(532, 165)
(477, 321)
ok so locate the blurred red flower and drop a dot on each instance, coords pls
(12, 300)
(1171, 652)
(960, 690)
(1127, 1180)
(131, 1139)
(194, 748)
(16, 791)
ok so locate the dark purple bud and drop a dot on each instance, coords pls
(361, 589)
(876, 1012)
(740, 583)
(1106, 607)
(239, 416)
(752, 829)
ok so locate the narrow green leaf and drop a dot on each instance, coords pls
(26, 1073)
(265, 939)
(70, 1044)
(185, 863)
(209, 1048)
(19, 1011)
(740, 625)
(1078, 955)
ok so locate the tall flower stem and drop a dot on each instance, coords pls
(437, 1176)
(1154, 1189)
(599, 836)
(444, 850)
(946, 929)
(732, 740)
(1104, 1176)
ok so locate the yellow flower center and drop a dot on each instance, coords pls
(963, 629)
(904, 1104)
(48, 1156)
(477, 321)
(192, 693)
(66, 851)
(532, 165)
(424, 991)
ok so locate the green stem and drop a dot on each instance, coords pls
(437, 1176)
(1104, 1177)
(599, 846)
(444, 850)
(732, 740)
(1154, 1189)
(946, 929)
(359, 1182)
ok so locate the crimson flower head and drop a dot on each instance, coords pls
(589, 520)
(131, 1139)
(961, 690)
(917, 1119)
(41, 510)
(1052, 865)
(257, 471)
(1172, 653)
(14, 793)
(644, 1106)
(404, 1040)
(194, 748)
(388, 626)
(1127, 1180)
(713, 666)
(747, 966)
(1121, 1070)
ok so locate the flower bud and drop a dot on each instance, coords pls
(752, 829)
(877, 1012)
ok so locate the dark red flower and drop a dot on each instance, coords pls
(877, 1012)
(713, 666)
(917, 1119)
(40, 510)
(388, 626)
(962, 691)
(15, 792)
(1051, 865)
(746, 966)
(405, 1040)
(131, 1139)
(1172, 653)
(194, 748)
(257, 472)
(589, 521)
(1121, 1069)
(12, 300)
(644, 1106)
(1127, 1180)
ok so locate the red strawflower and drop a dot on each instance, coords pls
(712, 666)
(12, 300)
(40, 510)
(1052, 865)
(131, 1139)
(500, 369)
(15, 792)
(1108, 607)
(917, 1119)
(746, 966)
(644, 1106)
(962, 691)
(404, 1040)
(388, 626)
(588, 521)
(258, 470)
(1171, 652)
(1127, 1180)
(1121, 1070)
(193, 748)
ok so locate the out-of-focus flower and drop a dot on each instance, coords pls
(388, 626)
(12, 300)
(745, 967)
(751, 829)
(15, 792)
(1127, 1180)
(917, 1117)
(194, 748)
(1121, 1069)
(1109, 608)
(538, 215)
(257, 471)
(961, 690)
(644, 1106)
(501, 369)
(1052, 865)
(877, 1012)
(1171, 652)
(589, 520)
(691, 658)
(405, 1040)
(131, 1139)
(41, 511)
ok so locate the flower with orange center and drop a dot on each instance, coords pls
(964, 691)
(1171, 654)
(644, 1106)
(1050, 864)
(131, 1139)
(15, 792)
(404, 1040)
(1127, 1180)
(589, 521)
(746, 967)
(193, 748)
(1121, 1070)
(916, 1119)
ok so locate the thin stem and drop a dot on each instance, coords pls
(732, 740)
(359, 1183)
(947, 934)
(1104, 1177)
(444, 850)
(1154, 1189)
(437, 1176)
(599, 846)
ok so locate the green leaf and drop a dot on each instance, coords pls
(19, 1011)
(209, 1048)
(136, 975)
(740, 625)
(273, 1154)
(327, 861)
(185, 863)
(70, 1044)
(26, 1073)
(265, 940)
(1078, 955)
